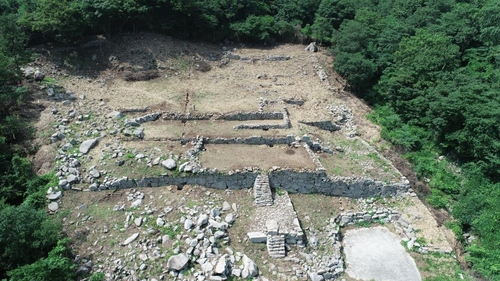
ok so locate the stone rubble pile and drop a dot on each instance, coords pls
(195, 245)
(344, 118)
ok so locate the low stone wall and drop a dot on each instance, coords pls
(320, 182)
(257, 115)
(235, 116)
(254, 140)
(293, 181)
(261, 126)
(170, 115)
(211, 180)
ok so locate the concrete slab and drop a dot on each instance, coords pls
(377, 254)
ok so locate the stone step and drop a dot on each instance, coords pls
(262, 191)
(276, 246)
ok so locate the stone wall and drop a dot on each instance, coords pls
(320, 182)
(257, 115)
(253, 140)
(235, 116)
(211, 180)
(293, 181)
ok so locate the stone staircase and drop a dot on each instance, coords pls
(276, 246)
(262, 191)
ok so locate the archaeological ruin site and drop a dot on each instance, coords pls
(234, 163)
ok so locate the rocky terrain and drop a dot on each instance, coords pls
(154, 147)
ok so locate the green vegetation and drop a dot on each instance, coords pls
(432, 71)
(100, 276)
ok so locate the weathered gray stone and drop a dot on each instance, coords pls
(160, 222)
(54, 195)
(178, 262)
(311, 47)
(94, 173)
(130, 239)
(72, 178)
(87, 145)
(188, 223)
(225, 206)
(250, 269)
(202, 220)
(115, 115)
(169, 164)
(136, 203)
(229, 218)
(222, 265)
(315, 276)
(53, 206)
(257, 237)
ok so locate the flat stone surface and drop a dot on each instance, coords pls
(376, 254)
(87, 145)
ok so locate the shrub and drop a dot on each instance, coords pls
(26, 234)
(57, 266)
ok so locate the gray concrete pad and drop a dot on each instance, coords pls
(377, 254)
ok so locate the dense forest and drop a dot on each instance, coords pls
(430, 69)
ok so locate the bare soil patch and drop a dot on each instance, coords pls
(232, 157)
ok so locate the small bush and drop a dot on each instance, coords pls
(99, 276)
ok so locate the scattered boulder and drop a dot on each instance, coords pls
(221, 266)
(54, 195)
(311, 47)
(38, 75)
(188, 224)
(160, 222)
(178, 262)
(138, 221)
(250, 268)
(131, 239)
(87, 145)
(53, 206)
(115, 115)
(169, 164)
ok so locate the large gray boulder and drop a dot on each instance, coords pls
(87, 145)
(178, 262)
(169, 164)
(250, 269)
(311, 47)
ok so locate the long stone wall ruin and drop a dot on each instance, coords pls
(291, 180)
(320, 182)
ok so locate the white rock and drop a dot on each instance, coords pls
(178, 262)
(257, 237)
(250, 269)
(131, 239)
(53, 206)
(188, 223)
(54, 195)
(229, 218)
(226, 206)
(160, 222)
(136, 203)
(169, 164)
(221, 266)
